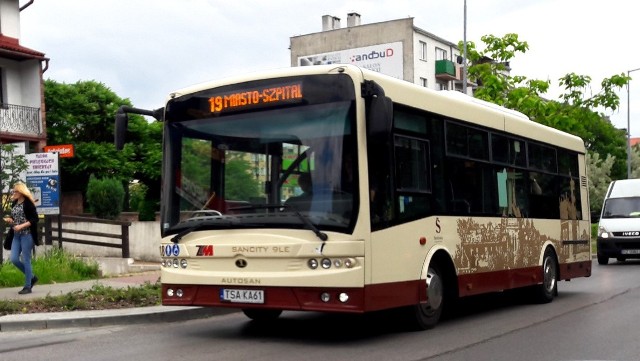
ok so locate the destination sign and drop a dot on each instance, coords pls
(256, 97)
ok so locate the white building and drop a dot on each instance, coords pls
(396, 48)
(22, 113)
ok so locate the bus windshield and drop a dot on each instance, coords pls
(261, 169)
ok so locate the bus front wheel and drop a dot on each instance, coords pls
(425, 316)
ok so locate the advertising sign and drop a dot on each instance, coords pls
(43, 179)
(65, 150)
(383, 58)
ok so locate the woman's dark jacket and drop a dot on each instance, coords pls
(31, 214)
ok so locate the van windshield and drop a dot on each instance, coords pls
(621, 207)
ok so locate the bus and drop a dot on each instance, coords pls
(416, 198)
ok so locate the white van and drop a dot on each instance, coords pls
(619, 227)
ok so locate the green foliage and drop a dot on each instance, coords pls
(83, 114)
(139, 203)
(635, 161)
(599, 172)
(240, 184)
(105, 197)
(11, 167)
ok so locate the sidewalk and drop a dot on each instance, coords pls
(36, 321)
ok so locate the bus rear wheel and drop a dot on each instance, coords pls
(261, 315)
(425, 316)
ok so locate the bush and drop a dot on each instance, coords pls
(105, 197)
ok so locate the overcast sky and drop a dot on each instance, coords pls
(144, 49)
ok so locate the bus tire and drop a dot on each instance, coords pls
(548, 289)
(261, 315)
(425, 316)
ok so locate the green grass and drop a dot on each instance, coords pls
(55, 266)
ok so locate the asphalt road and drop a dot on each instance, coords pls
(593, 318)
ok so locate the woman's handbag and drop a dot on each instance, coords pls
(8, 239)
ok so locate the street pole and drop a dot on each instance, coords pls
(629, 125)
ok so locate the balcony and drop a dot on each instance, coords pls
(19, 119)
(445, 70)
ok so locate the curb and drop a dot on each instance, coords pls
(53, 320)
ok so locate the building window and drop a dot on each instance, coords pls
(443, 86)
(423, 50)
(441, 54)
(423, 82)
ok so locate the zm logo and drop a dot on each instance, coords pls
(205, 251)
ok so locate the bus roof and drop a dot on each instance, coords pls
(450, 104)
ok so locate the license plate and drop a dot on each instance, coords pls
(241, 296)
(630, 251)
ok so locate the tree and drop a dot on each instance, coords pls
(575, 112)
(12, 165)
(599, 179)
(240, 183)
(83, 114)
(635, 161)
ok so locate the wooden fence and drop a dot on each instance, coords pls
(61, 234)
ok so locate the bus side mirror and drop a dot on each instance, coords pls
(379, 116)
(122, 122)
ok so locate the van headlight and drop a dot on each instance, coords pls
(602, 232)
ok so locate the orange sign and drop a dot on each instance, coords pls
(63, 150)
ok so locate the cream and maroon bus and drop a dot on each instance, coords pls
(417, 197)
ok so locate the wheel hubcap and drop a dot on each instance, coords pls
(434, 290)
(549, 275)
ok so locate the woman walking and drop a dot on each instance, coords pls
(23, 223)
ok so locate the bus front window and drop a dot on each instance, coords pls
(230, 168)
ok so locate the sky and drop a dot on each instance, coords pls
(145, 49)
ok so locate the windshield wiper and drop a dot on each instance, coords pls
(323, 236)
(178, 237)
(202, 222)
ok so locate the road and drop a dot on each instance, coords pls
(593, 318)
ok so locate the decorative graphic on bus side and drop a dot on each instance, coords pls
(515, 242)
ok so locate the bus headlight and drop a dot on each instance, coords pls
(313, 263)
(350, 262)
(326, 263)
(325, 297)
(602, 233)
(343, 297)
(183, 263)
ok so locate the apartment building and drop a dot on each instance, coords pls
(22, 111)
(397, 48)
